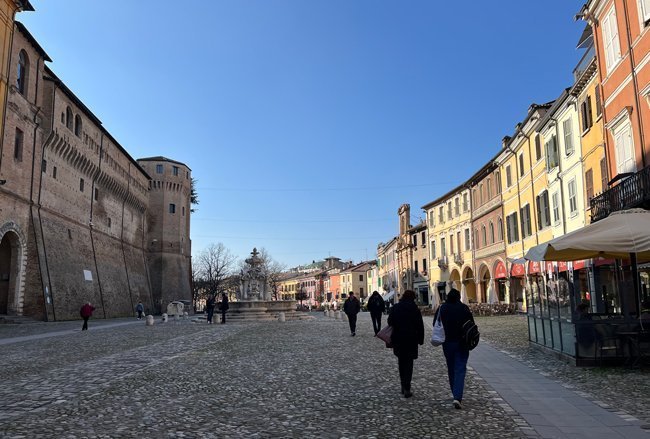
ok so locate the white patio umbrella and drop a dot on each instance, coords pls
(463, 293)
(491, 296)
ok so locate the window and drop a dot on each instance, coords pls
(432, 219)
(465, 203)
(109, 223)
(475, 197)
(457, 206)
(449, 215)
(96, 194)
(81, 184)
(18, 145)
(610, 39)
(21, 76)
(68, 118)
(556, 207)
(568, 137)
(175, 170)
(500, 229)
(644, 10)
(543, 210)
(415, 240)
(491, 233)
(480, 194)
(508, 176)
(624, 148)
(589, 184)
(172, 208)
(497, 176)
(54, 172)
(467, 239)
(585, 112)
(77, 125)
(489, 189)
(599, 108)
(521, 164)
(483, 235)
(538, 147)
(477, 242)
(183, 210)
(43, 165)
(361, 277)
(551, 153)
(424, 265)
(159, 169)
(573, 201)
(415, 263)
(433, 249)
(513, 230)
(423, 239)
(451, 244)
(441, 214)
(604, 174)
(443, 249)
(458, 241)
(526, 228)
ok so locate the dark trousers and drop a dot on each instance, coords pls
(223, 316)
(456, 356)
(352, 320)
(85, 326)
(376, 321)
(210, 314)
(139, 315)
(405, 365)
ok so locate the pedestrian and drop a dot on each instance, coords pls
(453, 313)
(224, 307)
(139, 308)
(86, 312)
(376, 306)
(351, 308)
(408, 332)
(209, 307)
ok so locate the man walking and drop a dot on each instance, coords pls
(376, 306)
(86, 312)
(209, 308)
(351, 308)
(139, 308)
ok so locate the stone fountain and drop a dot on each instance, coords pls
(254, 296)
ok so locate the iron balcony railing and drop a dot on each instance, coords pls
(632, 192)
(584, 63)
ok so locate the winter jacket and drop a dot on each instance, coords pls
(87, 310)
(408, 328)
(453, 315)
(224, 304)
(376, 304)
(351, 306)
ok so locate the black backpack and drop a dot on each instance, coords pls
(470, 334)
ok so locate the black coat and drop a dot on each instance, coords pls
(453, 315)
(376, 304)
(224, 304)
(352, 306)
(408, 328)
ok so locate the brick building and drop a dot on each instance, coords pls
(78, 215)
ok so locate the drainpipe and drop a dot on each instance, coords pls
(559, 173)
(635, 83)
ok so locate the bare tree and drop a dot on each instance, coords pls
(215, 265)
(271, 271)
(198, 285)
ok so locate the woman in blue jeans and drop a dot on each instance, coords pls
(453, 313)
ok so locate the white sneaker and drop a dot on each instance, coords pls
(457, 404)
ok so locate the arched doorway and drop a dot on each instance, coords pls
(484, 276)
(454, 280)
(470, 285)
(10, 258)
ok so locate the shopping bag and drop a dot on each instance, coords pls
(438, 335)
(385, 334)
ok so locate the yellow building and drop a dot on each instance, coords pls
(8, 9)
(449, 224)
(523, 178)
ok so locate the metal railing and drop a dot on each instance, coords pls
(582, 66)
(632, 192)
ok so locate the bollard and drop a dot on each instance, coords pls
(338, 315)
(330, 313)
(185, 315)
(149, 320)
(283, 317)
(164, 318)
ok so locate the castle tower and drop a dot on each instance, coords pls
(168, 245)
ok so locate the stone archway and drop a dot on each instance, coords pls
(484, 277)
(12, 273)
(470, 285)
(454, 280)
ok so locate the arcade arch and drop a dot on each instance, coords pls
(12, 255)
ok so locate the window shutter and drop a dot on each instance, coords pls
(590, 116)
(538, 200)
(604, 174)
(598, 103)
(516, 235)
(589, 184)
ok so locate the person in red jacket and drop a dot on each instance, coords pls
(86, 312)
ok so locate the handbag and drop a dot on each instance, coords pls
(438, 335)
(386, 335)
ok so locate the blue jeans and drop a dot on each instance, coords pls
(456, 356)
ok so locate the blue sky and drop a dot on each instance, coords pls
(309, 122)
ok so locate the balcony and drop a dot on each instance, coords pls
(632, 192)
(442, 262)
(458, 259)
(586, 63)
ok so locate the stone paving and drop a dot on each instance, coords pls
(271, 379)
(620, 388)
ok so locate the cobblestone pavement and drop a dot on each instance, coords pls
(621, 388)
(271, 379)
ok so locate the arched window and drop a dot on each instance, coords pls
(477, 243)
(489, 189)
(500, 229)
(475, 197)
(491, 233)
(21, 77)
(497, 176)
(480, 193)
(484, 235)
(68, 118)
(77, 125)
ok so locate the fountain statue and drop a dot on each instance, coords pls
(253, 284)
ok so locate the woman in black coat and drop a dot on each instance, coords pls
(408, 333)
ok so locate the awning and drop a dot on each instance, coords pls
(500, 271)
(389, 295)
(517, 270)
